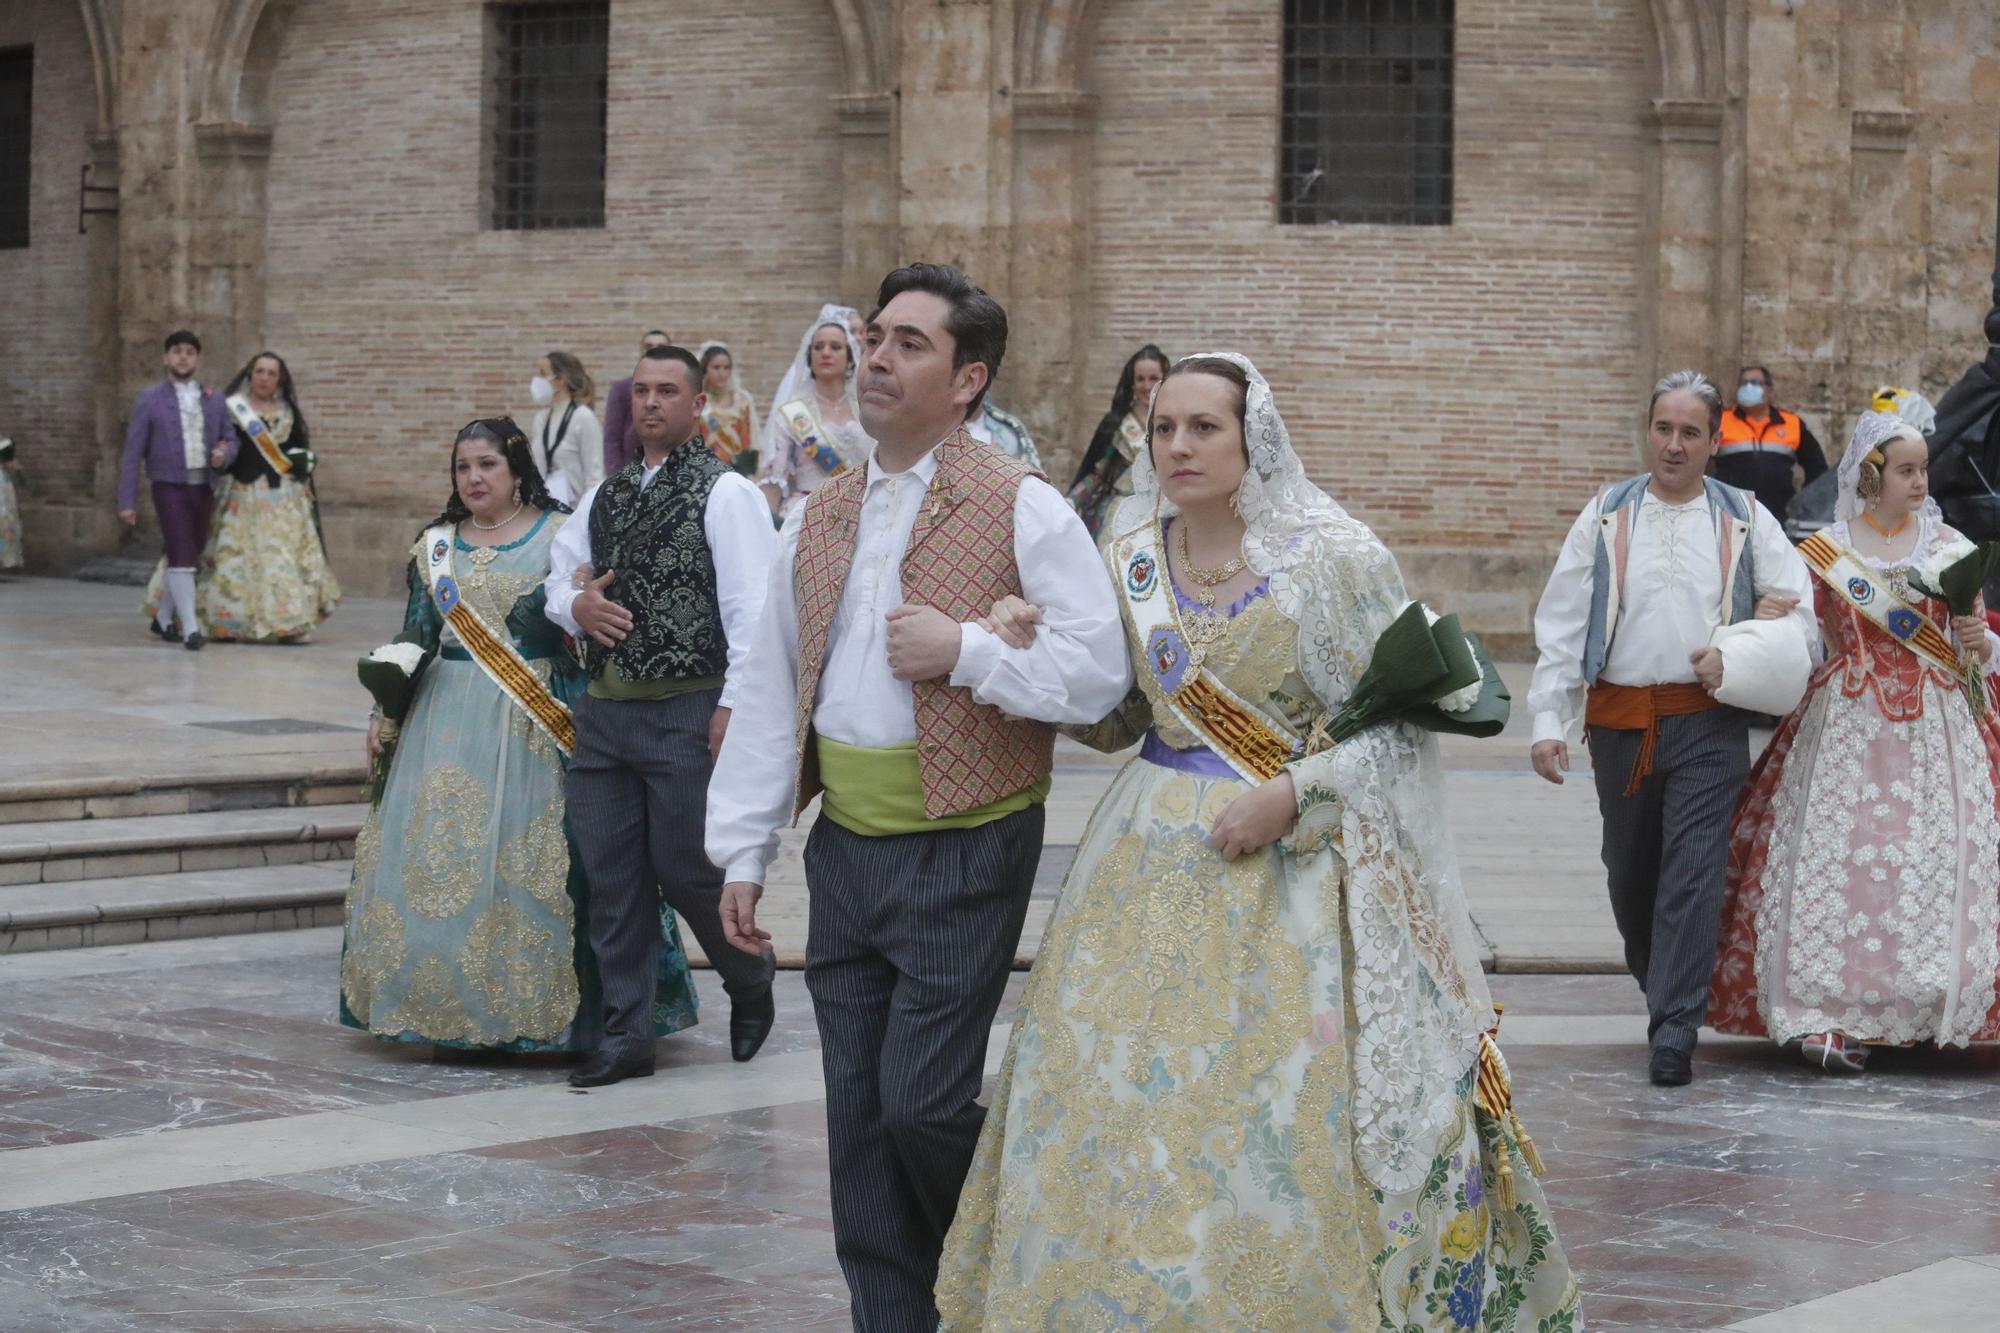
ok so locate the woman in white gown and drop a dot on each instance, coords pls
(1251, 1087)
(814, 431)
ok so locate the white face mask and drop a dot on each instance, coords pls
(1749, 395)
(542, 391)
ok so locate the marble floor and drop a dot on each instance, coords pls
(187, 1141)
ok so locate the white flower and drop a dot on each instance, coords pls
(1460, 700)
(1944, 558)
(402, 655)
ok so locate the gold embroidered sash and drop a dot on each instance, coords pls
(1253, 743)
(1870, 594)
(253, 425)
(495, 652)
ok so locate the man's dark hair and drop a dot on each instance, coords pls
(977, 323)
(1765, 371)
(688, 360)
(179, 336)
(656, 333)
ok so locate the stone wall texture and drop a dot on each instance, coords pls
(1639, 184)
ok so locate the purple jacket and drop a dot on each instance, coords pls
(155, 436)
(621, 439)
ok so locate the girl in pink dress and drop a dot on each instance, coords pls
(1863, 899)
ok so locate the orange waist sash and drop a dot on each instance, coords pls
(1640, 708)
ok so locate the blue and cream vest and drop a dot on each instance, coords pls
(1731, 510)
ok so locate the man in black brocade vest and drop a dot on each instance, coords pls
(660, 576)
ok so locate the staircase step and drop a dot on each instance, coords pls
(50, 851)
(243, 788)
(134, 909)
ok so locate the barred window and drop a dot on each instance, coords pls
(1365, 134)
(17, 70)
(545, 112)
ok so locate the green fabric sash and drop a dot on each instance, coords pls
(877, 793)
(611, 683)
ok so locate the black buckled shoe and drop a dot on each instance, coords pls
(608, 1067)
(1671, 1068)
(193, 642)
(749, 1023)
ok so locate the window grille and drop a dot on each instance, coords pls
(1365, 130)
(17, 71)
(549, 92)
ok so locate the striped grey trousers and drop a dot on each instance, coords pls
(907, 955)
(638, 797)
(1666, 852)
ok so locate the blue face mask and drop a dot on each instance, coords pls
(1750, 395)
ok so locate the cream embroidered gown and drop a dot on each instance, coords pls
(467, 915)
(1171, 1145)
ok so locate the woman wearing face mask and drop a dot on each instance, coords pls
(1863, 904)
(1243, 1090)
(466, 918)
(1103, 476)
(730, 415)
(568, 442)
(814, 432)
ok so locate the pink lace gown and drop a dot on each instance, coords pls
(1864, 859)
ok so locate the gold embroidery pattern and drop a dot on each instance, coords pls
(368, 849)
(433, 1008)
(374, 952)
(538, 860)
(522, 971)
(445, 843)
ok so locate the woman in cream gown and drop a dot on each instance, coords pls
(1244, 1091)
(814, 431)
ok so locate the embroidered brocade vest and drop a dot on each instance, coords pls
(960, 560)
(654, 539)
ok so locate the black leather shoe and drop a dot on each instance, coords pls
(160, 631)
(749, 1023)
(193, 642)
(1672, 1068)
(608, 1067)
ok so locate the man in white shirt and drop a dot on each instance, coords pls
(660, 575)
(1651, 569)
(931, 741)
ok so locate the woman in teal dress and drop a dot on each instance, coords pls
(468, 913)
(1252, 1086)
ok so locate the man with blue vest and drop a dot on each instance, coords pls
(1652, 569)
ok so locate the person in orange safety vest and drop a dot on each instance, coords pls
(1761, 441)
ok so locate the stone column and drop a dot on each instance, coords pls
(1684, 294)
(868, 214)
(1050, 269)
(952, 205)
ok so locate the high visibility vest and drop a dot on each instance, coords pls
(1740, 435)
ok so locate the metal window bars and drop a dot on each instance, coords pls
(549, 94)
(17, 79)
(1366, 124)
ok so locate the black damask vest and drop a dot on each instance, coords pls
(654, 539)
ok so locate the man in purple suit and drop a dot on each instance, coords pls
(621, 439)
(180, 430)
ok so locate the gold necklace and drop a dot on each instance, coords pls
(1206, 625)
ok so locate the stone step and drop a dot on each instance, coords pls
(242, 787)
(134, 909)
(51, 851)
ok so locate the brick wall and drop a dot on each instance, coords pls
(47, 374)
(1462, 387)
(403, 317)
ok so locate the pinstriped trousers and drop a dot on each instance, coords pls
(907, 954)
(637, 793)
(1666, 853)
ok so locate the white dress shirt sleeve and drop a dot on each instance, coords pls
(1780, 570)
(1077, 670)
(755, 782)
(567, 553)
(1562, 621)
(742, 544)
